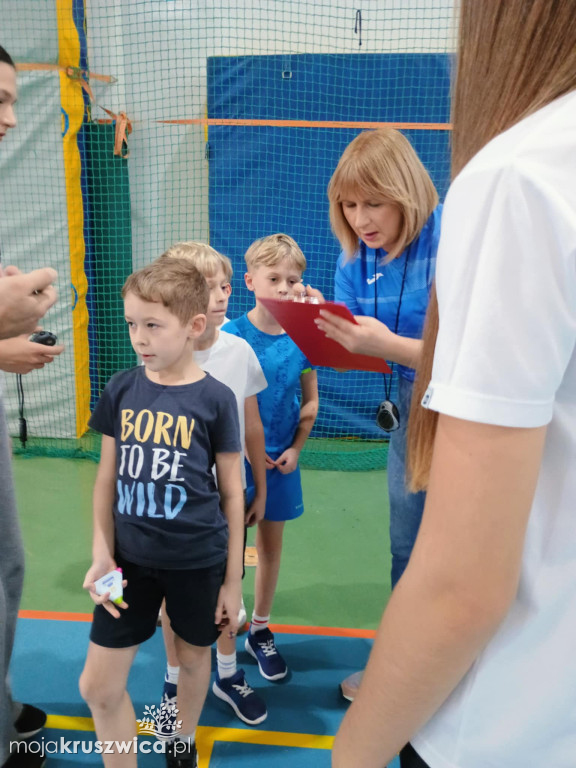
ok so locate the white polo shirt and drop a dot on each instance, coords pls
(505, 355)
(232, 361)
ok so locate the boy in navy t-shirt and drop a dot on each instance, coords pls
(288, 408)
(158, 513)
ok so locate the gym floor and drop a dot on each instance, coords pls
(333, 586)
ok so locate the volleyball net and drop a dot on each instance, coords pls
(147, 122)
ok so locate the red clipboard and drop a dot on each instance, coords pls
(297, 319)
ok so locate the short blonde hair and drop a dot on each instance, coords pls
(206, 259)
(382, 165)
(271, 250)
(175, 283)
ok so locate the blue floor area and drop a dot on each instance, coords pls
(227, 754)
(49, 656)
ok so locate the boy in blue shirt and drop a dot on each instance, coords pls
(158, 513)
(288, 409)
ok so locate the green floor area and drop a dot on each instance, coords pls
(336, 560)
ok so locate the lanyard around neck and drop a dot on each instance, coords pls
(388, 377)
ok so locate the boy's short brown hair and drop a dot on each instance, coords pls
(205, 258)
(269, 251)
(175, 283)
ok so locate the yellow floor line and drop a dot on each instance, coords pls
(207, 735)
(267, 738)
(65, 723)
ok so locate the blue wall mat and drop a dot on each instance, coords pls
(273, 179)
(384, 87)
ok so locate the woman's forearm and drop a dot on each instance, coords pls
(405, 351)
(368, 336)
(426, 642)
(447, 604)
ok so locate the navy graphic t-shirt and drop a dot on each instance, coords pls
(167, 508)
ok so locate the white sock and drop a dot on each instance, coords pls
(226, 664)
(171, 675)
(258, 623)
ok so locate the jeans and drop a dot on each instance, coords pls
(409, 758)
(405, 508)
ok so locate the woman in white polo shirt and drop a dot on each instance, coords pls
(473, 663)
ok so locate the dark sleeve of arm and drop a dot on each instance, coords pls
(225, 433)
(102, 419)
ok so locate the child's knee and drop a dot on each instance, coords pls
(271, 554)
(269, 547)
(99, 693)
(270, 535)
(87, 686)
(191, 657)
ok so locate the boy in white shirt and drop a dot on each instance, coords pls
(232, 361)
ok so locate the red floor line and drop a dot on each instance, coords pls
(297, 629)
(293, 629)
(55, 615)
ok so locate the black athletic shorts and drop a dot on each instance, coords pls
(409, 758)
(191, 599)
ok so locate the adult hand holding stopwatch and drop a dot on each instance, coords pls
(24, 299)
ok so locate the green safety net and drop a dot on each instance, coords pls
(143, 123)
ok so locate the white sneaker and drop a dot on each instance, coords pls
(242, 617)
(349, 687)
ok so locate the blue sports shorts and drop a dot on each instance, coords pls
(284, 499)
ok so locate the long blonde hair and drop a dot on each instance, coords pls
(514, 57)
(382, 165)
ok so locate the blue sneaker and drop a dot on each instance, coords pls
(169, 707)
(262, 647)
(245, 702)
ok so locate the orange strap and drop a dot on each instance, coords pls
(123, 130)
(27, 67)
(82, 77)
(206, 121)
(124, 125)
